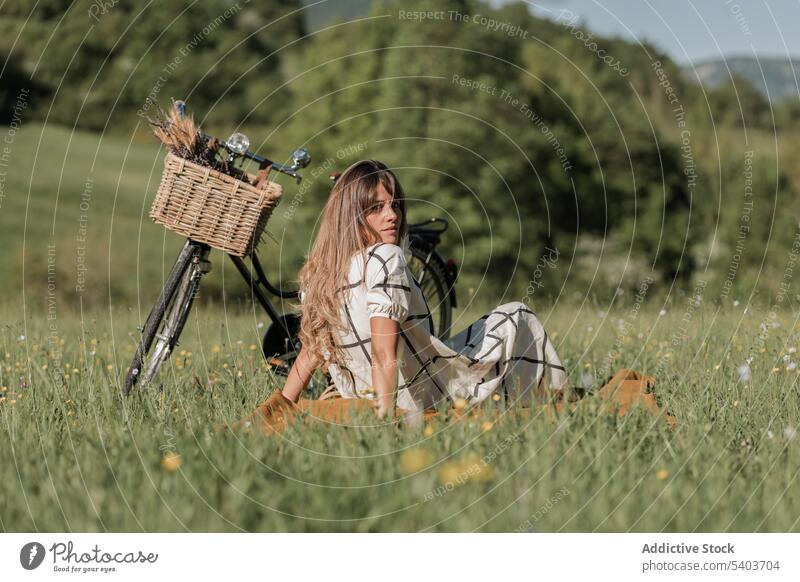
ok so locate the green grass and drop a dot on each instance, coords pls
(60, 182)
(76, 456)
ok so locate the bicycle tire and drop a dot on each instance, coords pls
(175, 318)
(434, 288)
(156, 316)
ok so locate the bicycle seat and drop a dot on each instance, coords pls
(426, 225)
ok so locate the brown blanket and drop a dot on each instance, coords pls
(621, 392)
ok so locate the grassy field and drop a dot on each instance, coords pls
(76, 456)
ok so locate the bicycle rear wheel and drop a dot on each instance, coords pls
(432, 278)
(168, 316)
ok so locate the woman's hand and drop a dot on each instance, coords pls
(384, 332)
(384, 411)
(303, 368)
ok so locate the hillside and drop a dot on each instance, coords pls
(776, 78)
(318, 15)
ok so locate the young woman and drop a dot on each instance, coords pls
(364, 313)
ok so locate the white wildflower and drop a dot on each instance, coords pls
(745, 374)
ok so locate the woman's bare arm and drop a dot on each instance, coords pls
(384, 332)
(303, 368)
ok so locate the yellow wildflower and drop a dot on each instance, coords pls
(415, 460)
(171, 462)
(451, 473)
(471, 467)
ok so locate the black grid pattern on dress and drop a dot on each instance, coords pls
(385, 285)
(499, 368)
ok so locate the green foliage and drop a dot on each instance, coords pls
(739, 104)
(518, 145)
(107, 61)
(524, 141)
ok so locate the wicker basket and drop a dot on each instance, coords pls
(211, 207)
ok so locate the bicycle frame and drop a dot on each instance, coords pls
(255, 284)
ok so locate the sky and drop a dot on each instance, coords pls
(690, 30)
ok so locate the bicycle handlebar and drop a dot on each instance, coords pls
(300, 157)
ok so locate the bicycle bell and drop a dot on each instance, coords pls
(238, 143)
(300, 158)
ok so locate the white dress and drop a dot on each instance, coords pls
(506, 351)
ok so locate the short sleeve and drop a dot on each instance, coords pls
(388, 289)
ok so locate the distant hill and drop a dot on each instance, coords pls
(775, 77)
(322, 14)
(780, 74)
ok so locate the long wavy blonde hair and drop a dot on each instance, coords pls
(343, 232)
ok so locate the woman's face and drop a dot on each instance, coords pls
(384, 216)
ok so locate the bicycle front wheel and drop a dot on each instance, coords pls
(168, 316)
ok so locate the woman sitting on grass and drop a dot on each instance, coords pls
(364, 313)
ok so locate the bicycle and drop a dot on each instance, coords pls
(280, 346)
